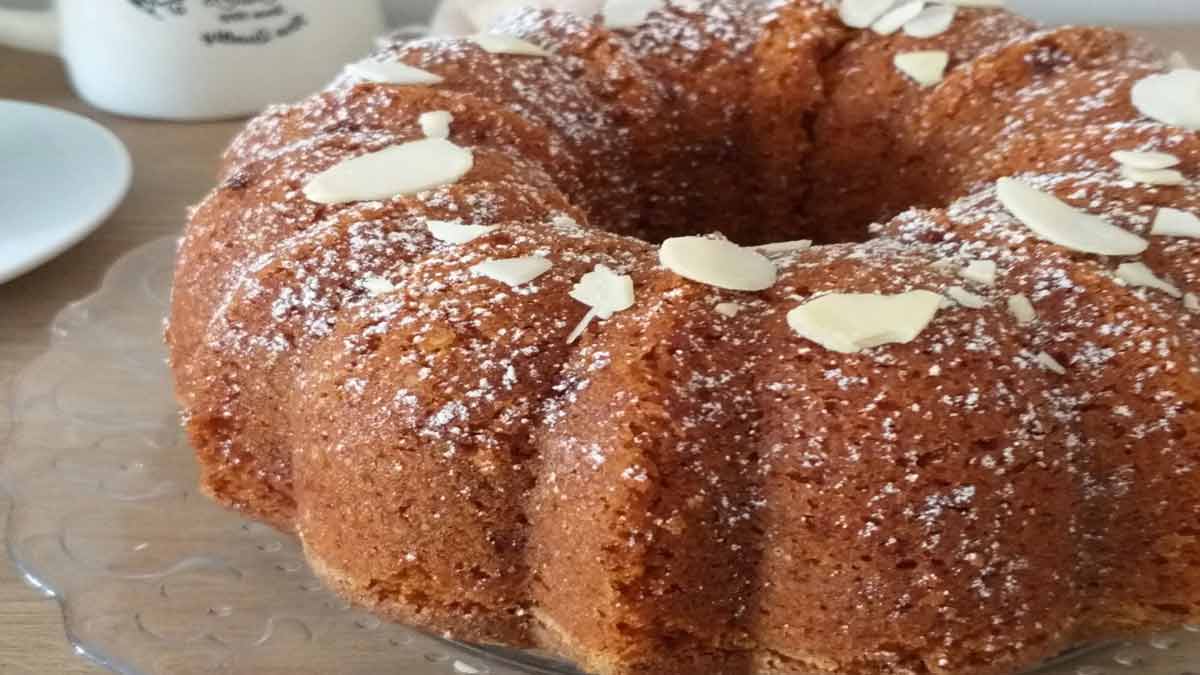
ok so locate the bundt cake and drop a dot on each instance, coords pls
(459, 323)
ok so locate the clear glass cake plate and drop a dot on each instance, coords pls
(155, 579)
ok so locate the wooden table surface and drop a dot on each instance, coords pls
(173, 167)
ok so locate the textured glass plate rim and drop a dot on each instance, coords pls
(55, 399)
(138, 285)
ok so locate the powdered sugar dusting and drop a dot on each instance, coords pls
(896, 488)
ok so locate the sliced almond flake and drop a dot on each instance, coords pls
(605, 293)
(933, 21)
(1058, 222)
(482, 14)
(728, 309)
(1175, 223)
(980, 271)
(453, 232)
(392, 72)
(851, 322)
(893, 20)
(495, 43)
(376, 286)
(966, 298)
(582, 326)
(1160, 177)
(1138, 275)
(436, 124)
(1179, 61)
(925, 68)
(628, 13)
(1171, 98)
(863, 13)
(403, 169)
(513, 271)
(947, 265)
(782, 247)
(1050, 363)
(1022, 309)
(717, 262)
(1146, 161)
(1191, 302)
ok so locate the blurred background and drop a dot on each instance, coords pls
(399, 12)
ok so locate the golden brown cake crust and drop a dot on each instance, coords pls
(691, 490)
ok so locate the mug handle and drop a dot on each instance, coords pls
(35, 30)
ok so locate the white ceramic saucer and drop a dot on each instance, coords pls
(61, 175)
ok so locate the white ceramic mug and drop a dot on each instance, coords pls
(197, 59)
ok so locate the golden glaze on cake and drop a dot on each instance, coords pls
(685, 490)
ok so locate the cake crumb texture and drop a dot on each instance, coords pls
(691, 486)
